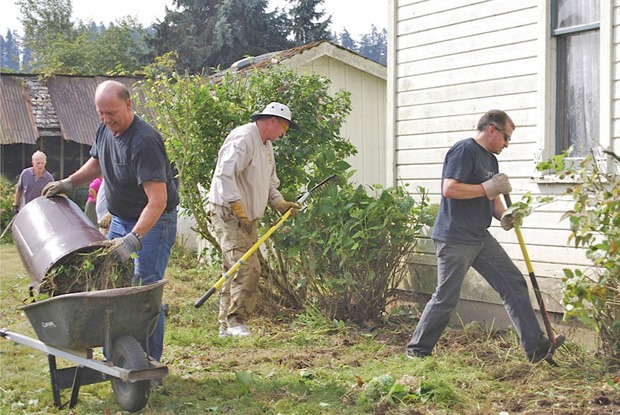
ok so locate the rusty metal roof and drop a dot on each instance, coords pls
(64, 103)
(73, 99)
(17, 123)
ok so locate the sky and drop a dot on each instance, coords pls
(356, 15)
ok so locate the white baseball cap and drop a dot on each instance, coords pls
(278, 110)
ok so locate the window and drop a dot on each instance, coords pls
(576, 26)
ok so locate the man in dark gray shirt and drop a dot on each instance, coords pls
(471, 185)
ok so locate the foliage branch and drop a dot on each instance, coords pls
(593, 295)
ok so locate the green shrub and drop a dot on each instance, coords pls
(593, 295)
(346, 253)
(7, 198)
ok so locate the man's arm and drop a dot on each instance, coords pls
(454, 189)
(157, 199)
(86, 173)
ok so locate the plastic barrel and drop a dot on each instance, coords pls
(46, 230)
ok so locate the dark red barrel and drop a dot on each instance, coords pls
(47, 230)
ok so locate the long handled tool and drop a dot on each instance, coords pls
(7, 227)
(233, 269)
(555, 341)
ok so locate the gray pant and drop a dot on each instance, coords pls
(492, 262)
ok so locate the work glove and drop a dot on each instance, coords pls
(105, 220)
(15, 209)
(283, 206)
(507, 221)
(242, 218)
(122, 248)
(497, 185)
(59, 186)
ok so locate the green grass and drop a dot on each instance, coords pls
(304, 364)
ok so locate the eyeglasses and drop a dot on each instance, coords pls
(501, 130)
(283, 123)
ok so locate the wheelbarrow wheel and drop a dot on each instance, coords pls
(128, 354)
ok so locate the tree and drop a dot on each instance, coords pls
(345, 39)
(58, 45)
(306, 22)
(374, 45)
(216, 33)
(45, 23)
(9, 52)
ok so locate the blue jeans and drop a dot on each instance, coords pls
(496, 267)
(151, 263)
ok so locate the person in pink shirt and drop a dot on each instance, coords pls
(91, 202)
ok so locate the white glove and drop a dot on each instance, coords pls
(507, 221)
(498, 184)
(122, 248)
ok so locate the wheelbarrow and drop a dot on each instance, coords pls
(69, 326)
(46, 232)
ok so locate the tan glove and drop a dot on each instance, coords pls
(498, 184)
(105, 220)
(507, 221)
(241, 216)
(283, 206)
(64, 186)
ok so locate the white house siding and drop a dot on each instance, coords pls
(365, 125)
(451, 61)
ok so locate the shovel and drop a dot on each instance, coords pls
(555, 341)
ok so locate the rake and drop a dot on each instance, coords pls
(301, 199)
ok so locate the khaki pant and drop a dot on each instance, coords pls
(238, 293)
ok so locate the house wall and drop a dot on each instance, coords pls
(365, 125)
(451, 61)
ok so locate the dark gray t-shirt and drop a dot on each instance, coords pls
(465, 221)
(127, 161)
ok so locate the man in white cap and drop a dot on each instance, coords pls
(244, 181)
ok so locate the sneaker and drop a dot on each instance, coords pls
(541, 351)
(416, 354)
(239, 331)
(223, 333)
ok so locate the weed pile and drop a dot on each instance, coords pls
(85, 271)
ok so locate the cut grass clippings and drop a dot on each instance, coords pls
(305, 364)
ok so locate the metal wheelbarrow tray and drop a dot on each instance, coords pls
(70, 325)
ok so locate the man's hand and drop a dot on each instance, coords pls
(59, 186)
(283, 206)
(122, 248)
(507, 221)
(498, 184)
(241, 216)
(15, 209)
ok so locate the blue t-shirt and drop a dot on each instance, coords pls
(465, 221)
(138, 155)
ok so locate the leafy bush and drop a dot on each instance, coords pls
(195, 113)
(7, 198)
(593, 295)
(346, 253)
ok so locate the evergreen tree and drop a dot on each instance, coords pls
(9, 52)
(216, 33)
(307, 25)
(374, 45)
(345, 39)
